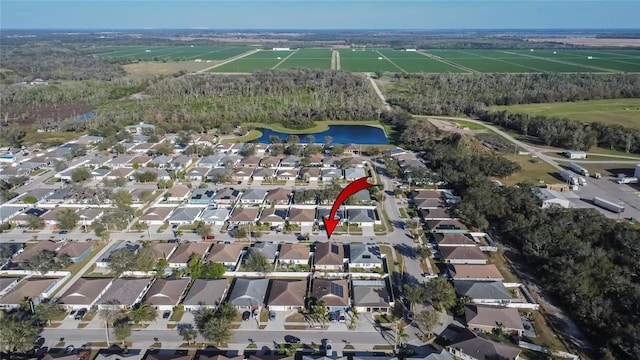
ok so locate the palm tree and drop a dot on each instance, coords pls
(355, 316)
(401, 335)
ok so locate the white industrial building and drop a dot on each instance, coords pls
(573, 154)
(551, 197)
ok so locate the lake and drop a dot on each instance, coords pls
(341, 134)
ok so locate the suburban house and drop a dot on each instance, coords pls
(137, 129)
(328, 256)
(106, 256)
(361, 216)
(201, 196)
(250, 161)
(371, 296)
(470, 346)
(324, 212)
(226, 196)
(241, 173)
(122, 172)
(198, 173)
(290, 162)
(483, 292)
(429, 203)
(287, 174)
(253, 196)
(278, 196)
(163, 250)
(161, 161)
(205, 293)
(486, 318)
(310, 173)
(215, 216)
(366, 256)
(287, 295)
(185, 251)
(352, 149)
(88, 216)
(156, 215)
(268, 249)
(120, 161)
(354, 173)
(84, 293)
(488, 272)
(357, 162)
(330, 174)
(119, 354)
(248, 294)
(294, 254)
(302, 216)
(273, 216)
(244, 215)
(124, 293)
(330, 161)
(453, 239)
(463, 255)
(219, 175)
(33, 289)
(181, 161)
(270, 161)
(184, 215)
(225, 254)
(362, 197)
(437, 213)
(76, 251)
(446, 226)
(141, 161)
(178, 193)
(165, 294)
(261, 174)
(334, 293)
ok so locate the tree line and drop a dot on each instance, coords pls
(587, 262)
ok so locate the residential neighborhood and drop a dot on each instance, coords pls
(174, 234)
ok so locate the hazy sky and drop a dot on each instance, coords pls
(319, 14)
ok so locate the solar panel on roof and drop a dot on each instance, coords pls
(337, 290)
(334, 249)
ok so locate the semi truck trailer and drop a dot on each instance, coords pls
(608, 205)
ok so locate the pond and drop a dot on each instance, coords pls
(340, 134)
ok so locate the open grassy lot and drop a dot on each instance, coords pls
(369, 60)
(625, 112)
(533, 171)
(308, 58)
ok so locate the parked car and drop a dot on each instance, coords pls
(72, 314)
(246, 315)
(80, 314)
(333, 317)
(342, 317)
(209, 238)
(409, 316)
(166, 314)
(291, 339)
(256, 313)
(272, 315)
(63, 232)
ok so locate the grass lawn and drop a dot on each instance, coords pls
(536, 171)
(152, 68)
(50, 138)
(625, 112)
(250, 136)
(177, 313)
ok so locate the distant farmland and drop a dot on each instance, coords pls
(390, 60)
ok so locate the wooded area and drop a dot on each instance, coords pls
(293, 98)
(469, 95)
(585, 261)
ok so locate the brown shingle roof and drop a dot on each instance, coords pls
(453, 239)
(166, 291)
(184, 252)
(225, 253)
(445, 224)
(426, 194)
(336, 295)
(156, 213)
(244, 214)
(302, 215)
(294, 252)
(287, 293)
(74, 249)
(487, 315)
(461, 272)
(84, 291)
(31, 250)
(278, 194)
(329, 253)
(162, 250)
(27, 289)
(179, 191)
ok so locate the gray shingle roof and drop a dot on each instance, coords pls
(206, 292)
(370, 293)
(185, 214)
(249, 292)
(364, 254)
(482, 289)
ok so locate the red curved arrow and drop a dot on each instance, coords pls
(330, 222)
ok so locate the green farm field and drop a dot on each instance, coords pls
(393, 60)
(625, 112)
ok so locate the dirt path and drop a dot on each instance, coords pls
(228, 61)
(333, 60)
(285, 59)
(450, 127)
(338, 66)
(431, 56)
(379, 93)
